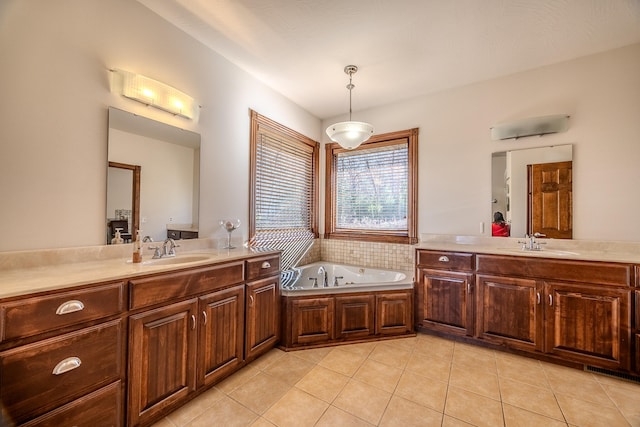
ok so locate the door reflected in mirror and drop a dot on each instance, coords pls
(532, 189)
(167, 161)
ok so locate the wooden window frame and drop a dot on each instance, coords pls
(259, 125)
(410, 236)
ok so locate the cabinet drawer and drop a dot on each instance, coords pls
(456, 261)
(102, 408)
(172, 286)
(262, 267)
(31, 316)
(38, 377)
(600, 273)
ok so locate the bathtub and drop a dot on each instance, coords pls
(299, 281)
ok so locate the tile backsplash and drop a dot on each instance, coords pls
(366, 254)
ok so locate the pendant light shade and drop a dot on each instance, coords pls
(350, 134)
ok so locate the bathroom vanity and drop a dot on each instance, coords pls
(127, 350)
(573, 311)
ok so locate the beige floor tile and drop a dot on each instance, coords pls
(237, 379)
(586, 389)
(422, 390)
(589, 414)
(363, 401)
(261, 422)
(473, 408)
(342, 361)
(535, 399)
(517, 417)
(260, 393)
(485, 361)
(434, 346)
(386, 353)
(361, 349)
(429, 366)
(335, 417)
(265, 360)
(626, 397)
(404, 413)
(224, 412)
(523, 370)
(448, 421)
(378, 375)
(314, 355)
(408, 343)
(323, 383)
(289, 368)
(296, 408)
(476, 381)
(164, 423)
(194, 408)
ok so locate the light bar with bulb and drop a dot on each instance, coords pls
(154, 93)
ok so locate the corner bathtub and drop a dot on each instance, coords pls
(350, 279)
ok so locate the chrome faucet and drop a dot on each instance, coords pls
(335, 280)
(146, 239)
(169, 247)
(531, 244)
(325, 279)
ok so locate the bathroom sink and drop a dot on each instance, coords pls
(539, 251)
(179, 259)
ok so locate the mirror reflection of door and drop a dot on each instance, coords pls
(123, 195)
(549, 210)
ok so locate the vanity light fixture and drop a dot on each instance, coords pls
(154, 93)
(350, 134)
(530, 127)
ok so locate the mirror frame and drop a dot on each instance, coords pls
(135, 194)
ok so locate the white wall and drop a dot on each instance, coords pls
(55, 57)
(602, 95)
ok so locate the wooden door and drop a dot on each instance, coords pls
(162, 359)
(589, 324)
(394, 313)
(550, 209)
(445, 301)
(262, 307)
(221, 337)
(509, 312)
(354, 316)
(311, 320)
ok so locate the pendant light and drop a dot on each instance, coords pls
(350, 134)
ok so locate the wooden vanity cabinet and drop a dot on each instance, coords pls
(311, 321)
(354, 316)
(62, 356)
(575, 310)
(394, 313)
(445, 292)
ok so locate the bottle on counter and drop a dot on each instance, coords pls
(137, 249)
(117, 239)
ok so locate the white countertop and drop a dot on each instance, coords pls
(29, 272)
(625, 252)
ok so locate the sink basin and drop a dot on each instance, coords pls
(540, 251)
(176, 260)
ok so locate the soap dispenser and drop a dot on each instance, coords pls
(117, 239)
(137, 248)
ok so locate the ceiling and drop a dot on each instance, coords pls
(403, 48)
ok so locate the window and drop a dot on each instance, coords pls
(372, 190)
(284, 195)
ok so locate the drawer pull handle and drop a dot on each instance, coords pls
(70, 307)
(550, 299)
(66, 365)
(538, 295)
(266, 264)
(250, 300)
(204, 315)
(193, 322)
(443, 258)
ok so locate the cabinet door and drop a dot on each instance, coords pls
(354, 316)
(221, 336)
(508, 312)
(312, 320)
(262, 314)
(589, 324)
(394, 313)
(162, 356)
(445, 301)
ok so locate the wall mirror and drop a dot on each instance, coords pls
(532, 188)
(153, 177)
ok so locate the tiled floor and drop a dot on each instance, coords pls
(421, 381)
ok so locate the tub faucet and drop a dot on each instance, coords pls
(325, 280)
(335, 280)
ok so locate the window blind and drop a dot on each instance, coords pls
(372, 188)
(284, 194)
